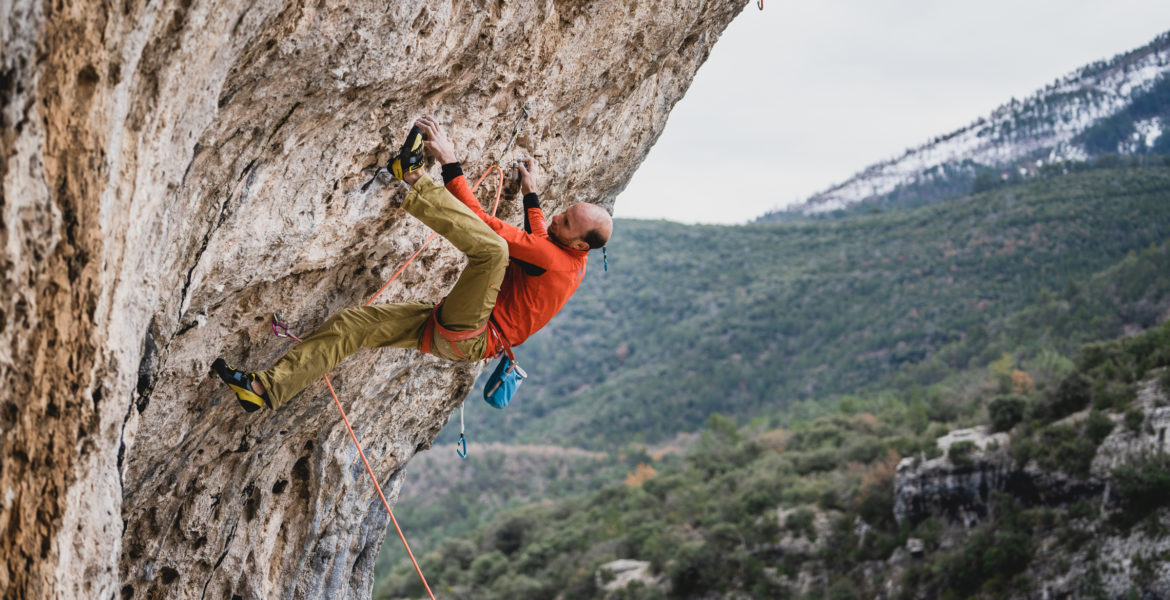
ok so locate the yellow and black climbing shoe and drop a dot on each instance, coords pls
(241, 384)
(410, 158)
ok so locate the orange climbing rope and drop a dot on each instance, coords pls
(345, 418)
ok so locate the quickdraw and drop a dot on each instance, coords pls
(279, 327)
(462, 449)
(516, 127)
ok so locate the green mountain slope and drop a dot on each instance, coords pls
(747, 320)
(763, 514)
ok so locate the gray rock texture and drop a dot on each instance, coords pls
(1124, 443)
(173, 171)
(960, 492)
(1111, 561)
(618, 575)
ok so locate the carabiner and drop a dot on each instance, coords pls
(278, 322)
(462, 451)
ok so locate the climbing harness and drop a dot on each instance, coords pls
(281, 329)
(450, 335)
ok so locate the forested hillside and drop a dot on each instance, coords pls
(749, 321)
(917, 317)
(811, 510)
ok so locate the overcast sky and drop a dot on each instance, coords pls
(801, 95)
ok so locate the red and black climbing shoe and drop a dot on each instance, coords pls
(410, 158)
(241, 384)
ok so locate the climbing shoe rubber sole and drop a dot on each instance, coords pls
(241, 384)
(410, 158)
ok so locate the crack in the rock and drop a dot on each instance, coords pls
(247, 168)
(122, 456)
(377, 170)
(198, 257)
(282, 122)
(226, 546)
(187, 171)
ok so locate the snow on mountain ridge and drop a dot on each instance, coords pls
(1041, 127)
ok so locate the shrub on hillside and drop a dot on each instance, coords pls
(1072, 394)
(1005, 411)
(696, 569)
(509, 534)
(1115, 394)
(486, 568)
(800, 522)
(1023, 449)
(960, 453)
(1134, 418)
(986, 560)
(1065, 448)
(1098, 426)
(1141, 486)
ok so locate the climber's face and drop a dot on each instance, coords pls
(569, 228)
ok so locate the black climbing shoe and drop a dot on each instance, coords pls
(410, 157)
(241, 384)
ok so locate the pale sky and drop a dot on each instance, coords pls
(802, 95)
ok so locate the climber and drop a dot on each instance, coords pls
(515, 279)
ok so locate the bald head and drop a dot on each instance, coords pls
(597, 221)
(582, 226)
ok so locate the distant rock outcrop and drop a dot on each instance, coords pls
(957, 492)
(618, 575)
(173, 172)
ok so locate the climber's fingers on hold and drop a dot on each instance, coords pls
(429, 126)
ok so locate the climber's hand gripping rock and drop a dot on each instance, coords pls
(437, 142)
(528, 170)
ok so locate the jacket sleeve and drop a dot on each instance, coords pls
(457, 185)
(528, 247)
(534, 216)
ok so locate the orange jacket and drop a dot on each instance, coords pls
(526, 301)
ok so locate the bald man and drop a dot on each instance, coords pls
(515, 281)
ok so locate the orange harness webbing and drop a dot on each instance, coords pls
(453, 336)
(450, 335)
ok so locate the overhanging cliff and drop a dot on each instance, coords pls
(173, 172)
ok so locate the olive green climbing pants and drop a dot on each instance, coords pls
(467, 307)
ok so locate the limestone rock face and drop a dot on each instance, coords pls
(174, 171)
(1124, 443)
(618, 575)
(960, 492)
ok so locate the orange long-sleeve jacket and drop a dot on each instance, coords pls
(542, 274)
